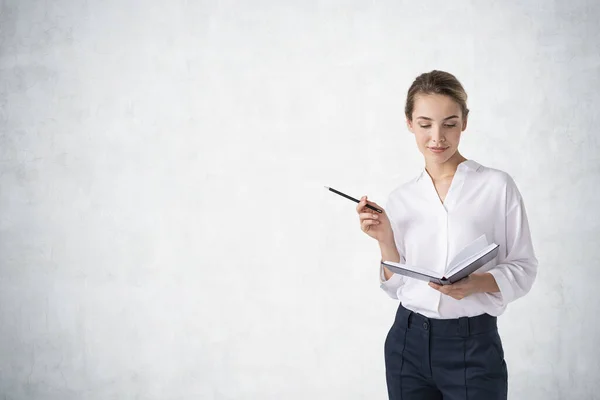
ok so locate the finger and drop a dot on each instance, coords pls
(372, 203)
(361, 204)
(377, 206)
(459, 285)
(435, 286)
(368, 215)
(446, 289)
(367, 224)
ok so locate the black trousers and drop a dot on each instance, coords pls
(449, 359)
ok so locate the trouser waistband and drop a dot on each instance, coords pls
(463, 327)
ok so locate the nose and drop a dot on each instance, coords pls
(437, 136)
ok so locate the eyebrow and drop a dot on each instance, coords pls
(445, 119)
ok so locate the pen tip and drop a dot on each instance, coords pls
(326, 187)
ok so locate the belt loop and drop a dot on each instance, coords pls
(403, 315)
(463, 326)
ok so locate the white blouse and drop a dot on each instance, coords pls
(429, 234)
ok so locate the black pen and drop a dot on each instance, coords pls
(353, 199)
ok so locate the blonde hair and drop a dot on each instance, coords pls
(436, 82)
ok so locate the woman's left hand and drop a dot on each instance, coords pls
(463, 288)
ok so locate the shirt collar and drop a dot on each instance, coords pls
(471, 165)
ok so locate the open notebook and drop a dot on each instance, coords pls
(468, 260)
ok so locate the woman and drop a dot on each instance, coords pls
(444, 342)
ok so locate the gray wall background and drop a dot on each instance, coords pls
(164, 231)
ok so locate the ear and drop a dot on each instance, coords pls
(409, 125)
(465, 123)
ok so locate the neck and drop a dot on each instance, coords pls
(446, 169)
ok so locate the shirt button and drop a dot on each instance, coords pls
(425, 325)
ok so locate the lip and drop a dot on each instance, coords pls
(438, 150)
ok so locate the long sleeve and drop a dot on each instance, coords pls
(392, 285)
(516, 273)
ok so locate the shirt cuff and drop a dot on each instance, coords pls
(506, 294)
(390, 286)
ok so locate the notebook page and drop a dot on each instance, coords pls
(469, 260)
(472, 248)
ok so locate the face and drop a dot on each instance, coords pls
(437, 123)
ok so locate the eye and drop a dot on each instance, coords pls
(449, 125)
(425, 126)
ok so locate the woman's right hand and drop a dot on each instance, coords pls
(373, 223)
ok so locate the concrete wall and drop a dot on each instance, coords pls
(164, 231)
